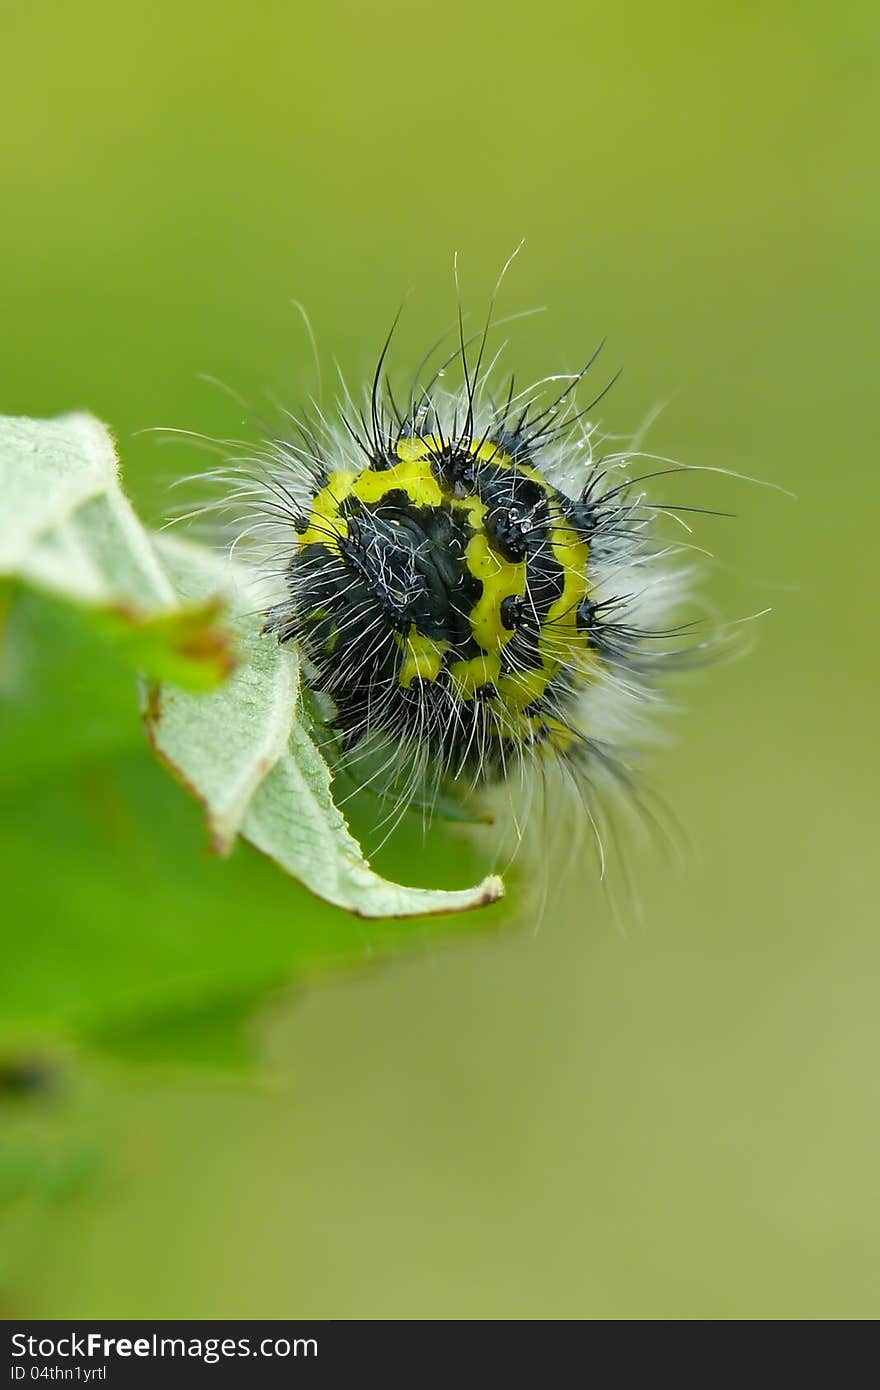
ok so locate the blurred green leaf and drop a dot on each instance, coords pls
(117, 925)
(51, 1152)
(219, 1034)
(66, 694)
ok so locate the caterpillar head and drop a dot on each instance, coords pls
(472, 589)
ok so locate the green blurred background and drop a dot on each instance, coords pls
(675, 1121)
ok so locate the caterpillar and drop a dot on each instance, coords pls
(475, 579)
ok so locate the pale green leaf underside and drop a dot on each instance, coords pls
(65, 524)
(67, 528)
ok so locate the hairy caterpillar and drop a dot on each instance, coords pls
(480, 593)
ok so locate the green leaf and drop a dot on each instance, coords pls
(67, 529)
(66, 695)
(118, 932)
(259, 773)
(155, 601)
(116, 923)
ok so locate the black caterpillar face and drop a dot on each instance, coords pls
(437, 596)
(412, 561)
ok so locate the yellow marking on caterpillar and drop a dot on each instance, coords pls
(326, 526)
(560, 627)
(413, 450)
(519, 689)
(474, 509)
(422, 658)
(560, 639)
(501, 579)
(490, 453)
(412, 475)
(468, 676)
(486, 450)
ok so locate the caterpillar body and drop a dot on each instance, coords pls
(443, 590)
(480, 596)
